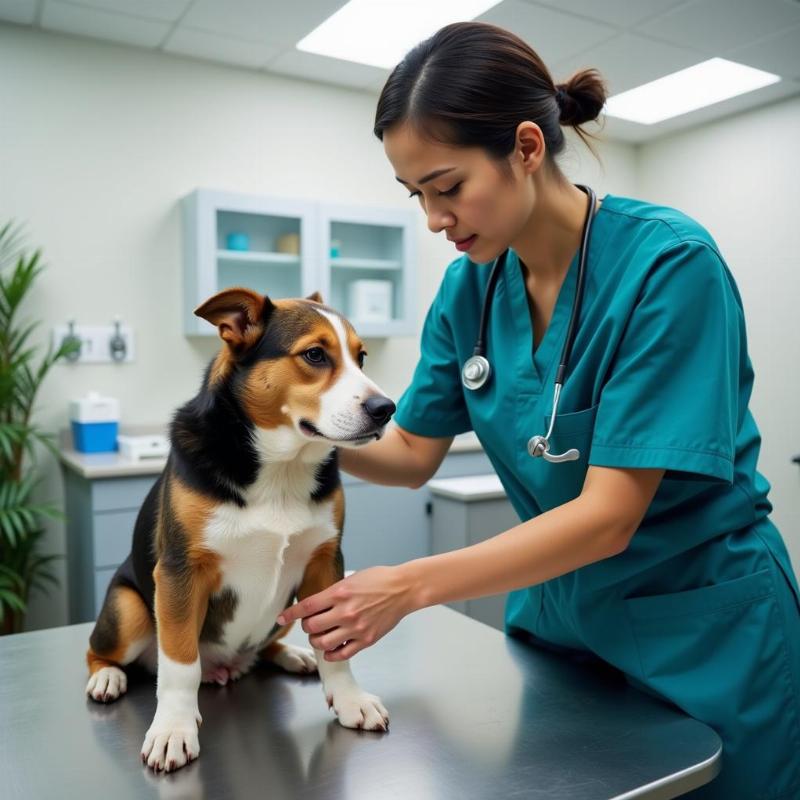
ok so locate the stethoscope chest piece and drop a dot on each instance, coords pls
(539, 447)
(476, 372)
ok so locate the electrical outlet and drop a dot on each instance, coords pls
(96, 343)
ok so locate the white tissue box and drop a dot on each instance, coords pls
(95, 421)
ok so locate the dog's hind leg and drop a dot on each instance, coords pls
(123, 630)
(289, 656)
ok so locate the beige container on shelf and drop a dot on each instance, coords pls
(288, 243)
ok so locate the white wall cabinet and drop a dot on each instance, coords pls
(361, 259)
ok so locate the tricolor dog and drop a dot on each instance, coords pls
(246, 516)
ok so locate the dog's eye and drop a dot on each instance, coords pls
(315, 355)
(361, 356)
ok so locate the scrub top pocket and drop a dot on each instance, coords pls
(563, 482)
(720, 653)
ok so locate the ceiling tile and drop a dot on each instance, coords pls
(209, 46)
(628, 60)
(553, 35)
(622, 13)
(164, 10)
(83, 21)
(261, 20)
(779, 54)
(300, 64)
(716, 26)
(23, 12)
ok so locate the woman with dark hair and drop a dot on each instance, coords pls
(654, 550)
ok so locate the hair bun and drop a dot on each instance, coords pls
(581, 98)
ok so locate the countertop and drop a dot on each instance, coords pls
(114, 465)
(468, 488)
(474, 714)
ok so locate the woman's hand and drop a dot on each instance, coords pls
(355, 612)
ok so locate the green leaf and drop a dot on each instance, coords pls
(19, 522)
(11, 435)
(48, 440)
(8, 530)
(16, 339)
(11, 599)
(11, 240)
(8, 577)
(49, 511)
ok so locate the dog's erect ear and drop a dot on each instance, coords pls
(237, 313)
(316, 297)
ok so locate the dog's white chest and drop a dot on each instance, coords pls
(264, 550)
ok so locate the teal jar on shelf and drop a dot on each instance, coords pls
(237, 241)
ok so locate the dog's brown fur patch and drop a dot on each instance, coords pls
(324, 568)
(181, 601)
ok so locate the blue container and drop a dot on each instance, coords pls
(95, 437)
(238, 241)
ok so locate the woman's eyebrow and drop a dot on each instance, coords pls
(430, 176)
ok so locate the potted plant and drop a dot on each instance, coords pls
(22, 565)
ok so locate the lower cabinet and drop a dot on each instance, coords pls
(383, 525)
(467, 510)
(101, 513)
(388, 525)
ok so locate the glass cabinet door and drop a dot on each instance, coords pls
(367, 259)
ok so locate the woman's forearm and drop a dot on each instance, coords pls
(545, 547)
(389, 461)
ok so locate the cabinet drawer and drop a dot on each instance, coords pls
(113, 534)
(113, 494)
(102, 578)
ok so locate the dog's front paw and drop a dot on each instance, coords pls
(172, 740)
(356, 708)
(107, 684)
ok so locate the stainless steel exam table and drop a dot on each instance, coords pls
(474, 714)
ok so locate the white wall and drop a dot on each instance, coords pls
(738, 177)
(97, 144)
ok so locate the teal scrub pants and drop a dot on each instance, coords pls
(726, 653)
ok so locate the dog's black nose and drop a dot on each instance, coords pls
(380, 408)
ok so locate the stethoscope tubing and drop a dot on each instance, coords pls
(477, 369)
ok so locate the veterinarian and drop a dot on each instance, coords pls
(653, 549)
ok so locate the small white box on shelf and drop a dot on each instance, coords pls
(143, 446)
(370, 301)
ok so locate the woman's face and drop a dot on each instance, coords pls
(462, 191)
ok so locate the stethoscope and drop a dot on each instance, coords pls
(477, 369)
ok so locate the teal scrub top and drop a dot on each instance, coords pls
(702, 608)
(659, 376)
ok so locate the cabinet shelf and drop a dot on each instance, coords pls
(365, 263)
(257, 257)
